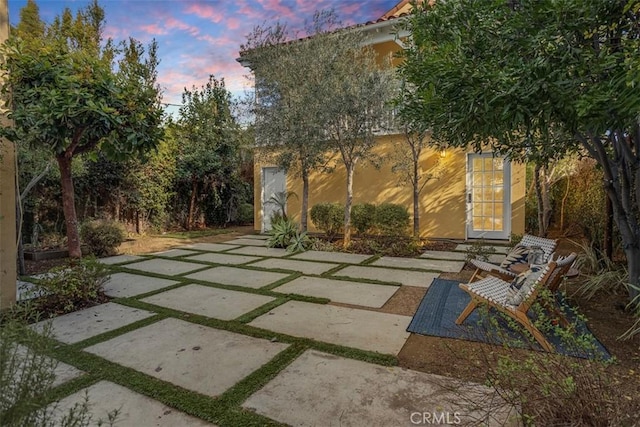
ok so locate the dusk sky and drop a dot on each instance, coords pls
(199, 38)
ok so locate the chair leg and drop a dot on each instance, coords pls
(467, 311)
(524, 321)
(475, 274)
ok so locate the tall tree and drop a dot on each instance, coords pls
(292, 94)
(70, 96)
(324, 92)
(534, 79)
(408, 154)
(209, 149)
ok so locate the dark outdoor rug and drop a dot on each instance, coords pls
(443, 303)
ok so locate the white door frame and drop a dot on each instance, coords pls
(506, 204)
(263, 196)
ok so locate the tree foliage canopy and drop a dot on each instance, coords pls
(534, 79)
(72, 94)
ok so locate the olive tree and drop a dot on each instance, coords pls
(321, 93)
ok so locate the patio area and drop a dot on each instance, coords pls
(236, 333)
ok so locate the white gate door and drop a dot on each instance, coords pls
(488, 197)
(274, 180)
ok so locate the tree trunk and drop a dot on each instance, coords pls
(68, 206)
(347, 207)
(562, 205)
(607, 243)
(192, 204)
(536, 180)
(416, 200)
(305, 200)
(633, 264)
(21, 268)
(546, 201)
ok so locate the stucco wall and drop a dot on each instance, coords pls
(443, 207)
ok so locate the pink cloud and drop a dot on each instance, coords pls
(173, 23)
(233, 23)
(205, 12)
(153, 29)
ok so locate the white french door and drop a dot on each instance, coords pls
(488, 197)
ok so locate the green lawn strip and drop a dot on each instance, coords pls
(362, 280)
(116, 332)
(254, 314)
(72, 386)
(339, 267)
(292, 276)
(370, 260)
(240, 392)
(159, 291)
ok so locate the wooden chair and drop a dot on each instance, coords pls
(495, 292)
(502, 271)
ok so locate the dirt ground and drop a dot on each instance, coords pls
(606, 316)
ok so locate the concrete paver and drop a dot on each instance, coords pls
(174, 253)
(357, 293)
(248, 242)
(133, 409)
(444, 255)
(119, 259)
(196, 357)
(337, 257)
(363, 329)
(213, 247)
(260, 251)
(425, 264)
(219, 258)
(323, 389)
(305, 267)
(80, 325)
(207, 301)
(165, 266)
(124, 285)
(238, 277)
(421, 279)
(255, 236)
(64, 373)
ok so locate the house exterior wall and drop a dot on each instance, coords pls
(443, 200)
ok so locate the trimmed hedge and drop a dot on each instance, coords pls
(328, 217)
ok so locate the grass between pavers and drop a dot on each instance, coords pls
(225, 409)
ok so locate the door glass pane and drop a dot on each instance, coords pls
(488, 163)
(477, 222)
(487, 191)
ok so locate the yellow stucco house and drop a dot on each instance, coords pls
(476, 195)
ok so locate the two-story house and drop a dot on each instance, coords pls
(474, 195)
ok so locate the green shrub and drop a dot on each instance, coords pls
(27, 379)
(479, 250)
(281, 233)
(363, 217)
(102, 236)
(328, 217)
(245, 213)
(392, 219)
(66, 288)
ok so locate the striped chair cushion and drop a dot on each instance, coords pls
(521, 285)
(518, 255)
